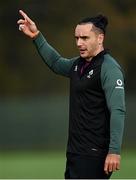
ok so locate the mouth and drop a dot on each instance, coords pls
(82, 51)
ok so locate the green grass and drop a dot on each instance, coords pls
(128, 166)
(51, 165)
(33, 165)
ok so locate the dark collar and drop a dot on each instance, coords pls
(93, 63)
(105, 51)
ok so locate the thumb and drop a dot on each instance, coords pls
(21, 27)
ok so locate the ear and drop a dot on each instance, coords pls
(100, 38)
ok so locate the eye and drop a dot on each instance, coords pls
(76, 38)
(85, 38)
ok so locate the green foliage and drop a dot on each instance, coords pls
(21, 70)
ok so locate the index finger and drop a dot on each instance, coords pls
(25, 16)
(118, 166)
(106, 167)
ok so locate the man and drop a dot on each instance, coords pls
(97, 105)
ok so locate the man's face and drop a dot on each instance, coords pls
(87, 40)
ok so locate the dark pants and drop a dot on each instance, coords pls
(85, 167)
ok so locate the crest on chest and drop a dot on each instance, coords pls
(90, 74)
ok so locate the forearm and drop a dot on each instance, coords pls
(116, 130)
(117, 109)
(51, 57)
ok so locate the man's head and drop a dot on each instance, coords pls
(89, 34)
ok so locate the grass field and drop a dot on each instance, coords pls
(51, 165)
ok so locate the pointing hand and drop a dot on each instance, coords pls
(27, 26)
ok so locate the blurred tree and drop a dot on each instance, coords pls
(22, 72)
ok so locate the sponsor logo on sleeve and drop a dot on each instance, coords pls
(119, 84)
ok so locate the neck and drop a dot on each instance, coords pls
(95, 53)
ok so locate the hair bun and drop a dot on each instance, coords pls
(103, 20)
(99, 21)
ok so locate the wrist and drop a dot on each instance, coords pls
(34, 35)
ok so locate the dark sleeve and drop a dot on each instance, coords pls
(113, 85)
(52, 58)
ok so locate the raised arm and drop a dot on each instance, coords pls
(50, 56)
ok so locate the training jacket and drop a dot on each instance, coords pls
(97, 103)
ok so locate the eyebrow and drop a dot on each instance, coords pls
(81, 36)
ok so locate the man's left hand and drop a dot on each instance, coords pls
(112, 163)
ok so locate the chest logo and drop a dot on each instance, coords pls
(90, 73)
(75, 68)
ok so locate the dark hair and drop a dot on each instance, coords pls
(99, 22)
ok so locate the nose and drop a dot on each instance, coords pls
(79, 42)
